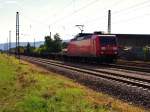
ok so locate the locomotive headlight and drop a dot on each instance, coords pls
(115, 52)
(102, 52)
(103, 48)
(114, 48)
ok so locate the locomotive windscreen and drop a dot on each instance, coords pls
(107, 40)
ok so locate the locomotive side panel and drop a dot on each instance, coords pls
(80, 48)
(95, 47)
(84, 47)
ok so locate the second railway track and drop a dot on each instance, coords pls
(130, 67)
(135, 90)
(129, 80)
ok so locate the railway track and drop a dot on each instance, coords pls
(131, 88)
(134, 63)
(118, 77)
(130, 67)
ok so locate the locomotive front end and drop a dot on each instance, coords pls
(108, 48)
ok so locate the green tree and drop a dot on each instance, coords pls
(48, 44)
(57, 43)
(64, 45)
(28, 48)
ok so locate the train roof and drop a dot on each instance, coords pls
(95, 33)
(133, 35)
(108, 35)
(82, 36)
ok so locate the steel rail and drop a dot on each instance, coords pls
(129, 67)
(133, 63)
(107, 75)
(102, 71)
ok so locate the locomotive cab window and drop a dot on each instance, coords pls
(108, 41)
(80, 38)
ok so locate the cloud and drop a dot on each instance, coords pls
(1, 4)
(10, 2)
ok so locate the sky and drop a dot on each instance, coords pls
(39, 17)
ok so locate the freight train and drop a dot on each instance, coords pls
(87, 47)
(93, 47)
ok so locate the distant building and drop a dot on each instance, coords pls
(134, 40)
(132, 46)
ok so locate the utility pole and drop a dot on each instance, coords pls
(9, 42)
(80, 27)
(30, 31)
(49, 31)
(17, 35)
(109, 21)
(34, 43)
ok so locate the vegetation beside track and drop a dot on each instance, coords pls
(27, 88)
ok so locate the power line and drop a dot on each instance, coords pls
(129, 19)
(93, 2)
(131, 15)
(43, 22)
(131, 7)
(84, 7)
(118, 12)
(116, 3)
(135, 6)
(101, 17)
(74, 12)
(62, 9)
(60, 19)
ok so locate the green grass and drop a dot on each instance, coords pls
(27, 88)
(22, 89)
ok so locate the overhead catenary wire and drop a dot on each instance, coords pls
(46, 25)
(128, 9)
(74, 12)
(87, 5)
(62, 9)
(132, 6)
(36, 21)
(131, 19)
(84, 7)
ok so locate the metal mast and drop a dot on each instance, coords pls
(34, 43)
(50, 31)
(9, 41)
(109, 21)
(17, 34)
(80, 27)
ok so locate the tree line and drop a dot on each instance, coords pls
(51, 45)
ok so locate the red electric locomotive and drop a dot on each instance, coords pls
(93, 46)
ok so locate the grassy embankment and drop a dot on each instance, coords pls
(27, 88)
